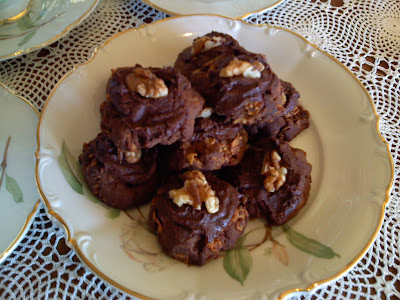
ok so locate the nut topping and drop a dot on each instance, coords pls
(191, 158)
(253, 107)
(146, 83)
(194, 192)
(205, 113)
(238, 67)
(130, 156)
(252, 111)
(283, 99)
(275, 174)
(206, 43)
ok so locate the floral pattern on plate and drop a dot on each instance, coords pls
(19, 199)
(140, 243)
(72, 172)
(10, 183)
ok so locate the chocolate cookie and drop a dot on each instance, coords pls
(118, 184)
(205, 49)
(196, 216)
(274, 179)
(285, 126)
(295, 116)
(235, 83)
(214, 144)
(149, 106)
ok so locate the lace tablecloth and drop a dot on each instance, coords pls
(363, 35)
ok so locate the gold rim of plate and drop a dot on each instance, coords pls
(32, 214)
(244, 16)
(309, 288)
(55, 38)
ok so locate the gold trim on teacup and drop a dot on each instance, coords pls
(32, 214)
(244, 16)
(19, 15)
(55, 38)
(309, 288)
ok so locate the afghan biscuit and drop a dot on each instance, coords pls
(214, 144)
(284, 126)
(234, 82)
(196, 216)
(275, 180)
(118, 184)
(149, 106)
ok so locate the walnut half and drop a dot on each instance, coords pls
(130, 156)
(146, 83)
(275, 174)
(194, 192)
(206, 43)
(238, 67)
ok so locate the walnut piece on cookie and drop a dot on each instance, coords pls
(194, 192)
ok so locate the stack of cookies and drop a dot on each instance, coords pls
(206, 141)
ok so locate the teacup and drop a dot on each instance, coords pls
(11, 10)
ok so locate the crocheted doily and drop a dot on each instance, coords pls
(363, 35)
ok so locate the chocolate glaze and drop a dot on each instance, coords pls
(196, 236)
(239, 99)
(187, 63)
(267, 106)
(106, 153)
(133, 121)
(285, 126)
(119, 185)
(280, 206)
(215, 143)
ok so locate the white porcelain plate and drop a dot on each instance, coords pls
(352, 173)
(45, 22)
(230, 8)
(19, 199)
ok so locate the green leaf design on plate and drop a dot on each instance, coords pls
(67, 171)
(25, 23)
(113, 213)
(73, 164)
(72, 171)
(88, 194)
(238, 262)
(308, 245)
(27, 37)
(13, 188)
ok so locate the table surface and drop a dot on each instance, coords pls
(363, 35)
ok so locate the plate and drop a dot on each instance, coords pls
(352, 173)
(19, 198)
(45, 22)
(229, 8)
